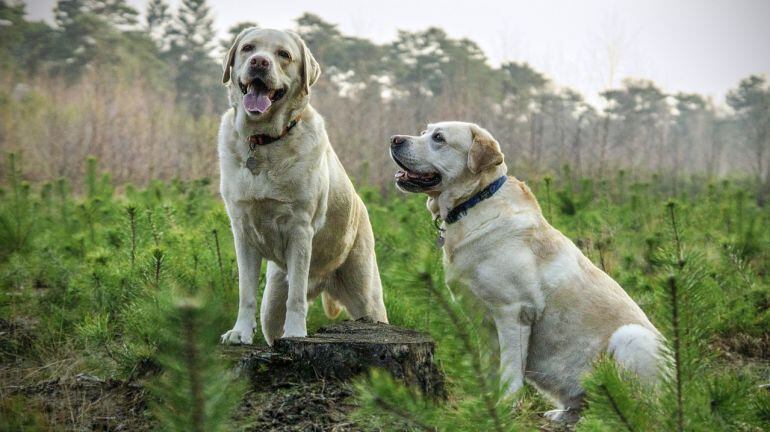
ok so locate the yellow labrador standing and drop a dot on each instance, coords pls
(555, 312)
(287, 195)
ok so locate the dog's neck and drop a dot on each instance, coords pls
(442, 203)
(259, 140)
(275, 127)
(273, 123)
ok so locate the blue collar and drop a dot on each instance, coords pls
(461, 210)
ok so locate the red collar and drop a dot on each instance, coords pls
(263, 139)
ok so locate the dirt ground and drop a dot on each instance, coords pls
(319, 406)
(275, 402)
(90, 404)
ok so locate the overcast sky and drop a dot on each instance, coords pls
(703, 46)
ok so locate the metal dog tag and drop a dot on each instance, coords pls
(251, 164)
(440, 238)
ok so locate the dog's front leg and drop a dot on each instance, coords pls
(513, 324)
(249, 266)
(298, 256)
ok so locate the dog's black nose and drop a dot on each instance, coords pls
(397, 140)
(260, 62)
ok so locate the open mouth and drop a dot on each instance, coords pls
(258, 97)
(415, 181)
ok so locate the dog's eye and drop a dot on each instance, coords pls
(284, 54)
(438, 137)
(247, 48)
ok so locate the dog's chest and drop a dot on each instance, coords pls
(246, 182)
(264, 224)
(492, 264)
(286, 180)
(263, 208)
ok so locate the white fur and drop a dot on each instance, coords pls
(555, 311)
(636, 349)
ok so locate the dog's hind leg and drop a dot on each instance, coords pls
(273, 310)
(332, 309)
(356, 283)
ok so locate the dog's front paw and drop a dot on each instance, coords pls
(562, 416)
(240, 334)
(295, 325)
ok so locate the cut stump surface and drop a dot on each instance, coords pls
(343, 350)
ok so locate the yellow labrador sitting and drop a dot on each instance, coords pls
(287, 195)
(555, 312)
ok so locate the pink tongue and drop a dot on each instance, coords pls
(256, 101)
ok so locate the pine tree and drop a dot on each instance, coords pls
(617, 401)
(89, 29)
(751, 101)
(116, 12)
(24, 44)
(77, 27)
(465, 342)
(157, 22)
(192, 39)
(195, 392)
(233, 32)
(689, 397)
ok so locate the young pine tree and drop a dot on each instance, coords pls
(195, 392)
(692, 396)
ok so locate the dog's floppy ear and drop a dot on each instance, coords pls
(227, 62)
(484, 152)
(310, 69)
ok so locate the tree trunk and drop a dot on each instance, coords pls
(344, 350)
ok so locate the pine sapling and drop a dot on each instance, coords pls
(683, 310)
(677, 351)
(157, 260)
(218, 250)
(131, 210)
(61, 190)
(91, 182)
(467, 342)
(615, 407)
(196, 391)
(17, 225)
(617, 399)
(153, 228)
(548, 180)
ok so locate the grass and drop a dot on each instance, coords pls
(89, 280)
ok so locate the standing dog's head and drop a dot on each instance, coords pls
(269, 74)
(447, 156)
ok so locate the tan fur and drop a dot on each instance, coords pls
(312, 70)
(295, 206)
(227, 63)
(484, 152)
(332, 309)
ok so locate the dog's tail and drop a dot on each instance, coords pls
(332, 309)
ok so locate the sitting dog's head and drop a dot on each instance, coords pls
(446, 156)
(269, 74)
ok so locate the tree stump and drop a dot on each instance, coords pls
(343, 350)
